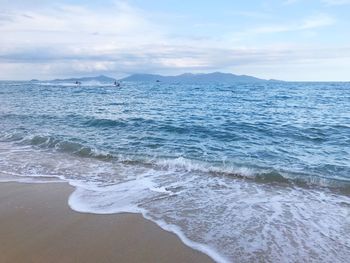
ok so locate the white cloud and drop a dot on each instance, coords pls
(51, 40)
(313, 22)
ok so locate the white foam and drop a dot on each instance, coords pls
(188, 165)
(120, 198)
(227, 218)
(197, 246)
(123, 198)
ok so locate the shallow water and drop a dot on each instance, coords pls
(243, 172)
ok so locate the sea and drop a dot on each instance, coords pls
(244, 172)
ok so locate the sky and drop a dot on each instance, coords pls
(296, 40)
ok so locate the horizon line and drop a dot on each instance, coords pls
(93, 75)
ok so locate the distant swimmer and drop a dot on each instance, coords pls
(117, 84)
(158, 80)
(78, 83)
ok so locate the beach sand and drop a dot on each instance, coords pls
(36, 225)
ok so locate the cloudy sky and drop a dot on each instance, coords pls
(286, 39)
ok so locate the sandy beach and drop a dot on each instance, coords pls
(36, 225)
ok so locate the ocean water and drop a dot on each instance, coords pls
(242, 172)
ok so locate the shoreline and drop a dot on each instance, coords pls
(37, 225)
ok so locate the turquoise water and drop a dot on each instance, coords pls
(242, 172)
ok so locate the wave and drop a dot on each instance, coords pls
(101, 123)
(256, 174)
(80, 120)
(229, 131)
(181, 164)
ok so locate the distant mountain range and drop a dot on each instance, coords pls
(215, 77)
(100, 78)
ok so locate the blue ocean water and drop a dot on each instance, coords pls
(243, 172)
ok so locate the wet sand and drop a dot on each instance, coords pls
(36, 225)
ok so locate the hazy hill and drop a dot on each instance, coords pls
(194, 78)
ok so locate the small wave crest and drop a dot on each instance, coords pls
(256, 174)
(60, 145)
(105, 123)
(49, 142)
(181, 164)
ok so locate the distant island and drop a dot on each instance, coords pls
(101, 78)
(216, 77)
